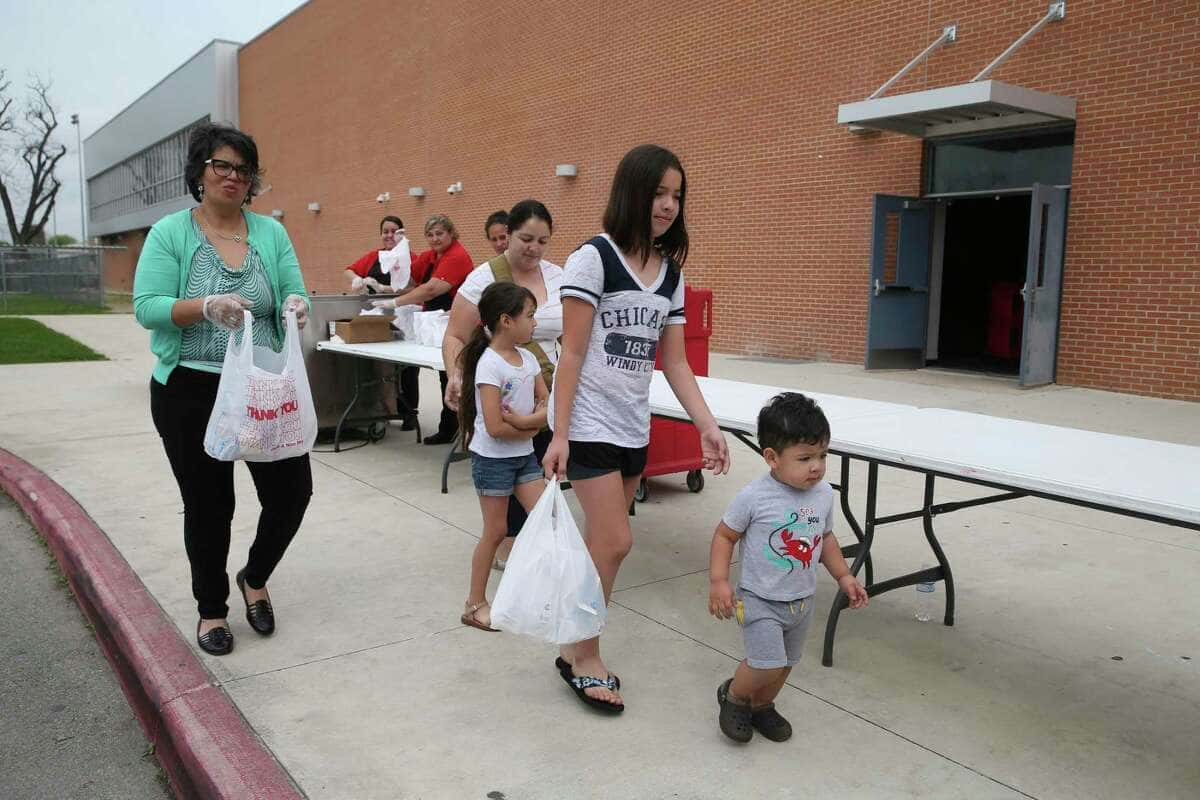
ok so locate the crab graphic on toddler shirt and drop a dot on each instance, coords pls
(787, 546)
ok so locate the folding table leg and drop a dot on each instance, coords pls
(936, 547)
(840, 601)
(452, 455)
(844, 491)
(337, 433)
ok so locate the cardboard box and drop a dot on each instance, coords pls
(364, 329)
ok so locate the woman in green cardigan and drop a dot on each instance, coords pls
(198, 270)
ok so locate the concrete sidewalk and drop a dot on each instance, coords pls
(1071, 670)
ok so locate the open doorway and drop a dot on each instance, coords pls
(968, 282)
(984, 258)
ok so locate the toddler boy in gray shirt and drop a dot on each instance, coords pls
(783, 523)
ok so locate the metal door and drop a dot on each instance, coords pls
(1043, 284)
(898, 307)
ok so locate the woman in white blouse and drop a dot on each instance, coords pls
(529, 230)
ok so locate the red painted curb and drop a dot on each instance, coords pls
(205, 745)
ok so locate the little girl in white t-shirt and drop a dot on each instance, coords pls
(498, 422)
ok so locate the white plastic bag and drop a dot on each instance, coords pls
(550, 589)
(404, 322)
(397, 264)
(430, 327)
(438, 330)
(264, 408)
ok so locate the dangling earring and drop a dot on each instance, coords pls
(200, 189)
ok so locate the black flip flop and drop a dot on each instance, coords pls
(564, 669)
(579, 684)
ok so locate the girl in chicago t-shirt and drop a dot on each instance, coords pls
(622, 298)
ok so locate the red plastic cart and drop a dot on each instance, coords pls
(1005, 318)
(675, 446)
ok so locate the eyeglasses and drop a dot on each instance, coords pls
(224, 169)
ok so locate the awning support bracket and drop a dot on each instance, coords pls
(1056, 12)
(949, 34)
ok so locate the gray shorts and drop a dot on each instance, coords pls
(774, 630)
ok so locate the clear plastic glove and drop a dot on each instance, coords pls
(295, 302)
(225, 310)
(374, 284)
(384, 303)
(358, 285)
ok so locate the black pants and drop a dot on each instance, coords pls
(448, 424)
(516, 513)
(409, 388)
(180, 411)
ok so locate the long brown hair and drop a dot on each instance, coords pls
(498, 299)
(631, 203)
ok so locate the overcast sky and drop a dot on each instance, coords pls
(101, 57)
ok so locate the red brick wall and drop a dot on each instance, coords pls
(346, 103)
(119, 265)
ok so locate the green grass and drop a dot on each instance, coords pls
(23, 305)
(27, 341)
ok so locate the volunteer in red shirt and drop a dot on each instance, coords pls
(436, 275)
(439, 271)
(365, 275)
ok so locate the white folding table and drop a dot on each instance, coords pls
(1141, 478)
(407, 353)
(736, 404)
(395, 352)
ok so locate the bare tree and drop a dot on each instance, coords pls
(39, 157)
(5, 103)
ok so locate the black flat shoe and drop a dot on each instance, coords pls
(217, 642)
(441, 438)
(259, 613)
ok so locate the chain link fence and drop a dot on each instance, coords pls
(73, 274)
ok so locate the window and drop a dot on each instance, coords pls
(990, 163)
(152, 176)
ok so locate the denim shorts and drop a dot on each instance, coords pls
(496, 477)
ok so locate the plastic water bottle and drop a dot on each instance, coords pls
(926, 599)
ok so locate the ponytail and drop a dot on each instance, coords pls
(468, 360)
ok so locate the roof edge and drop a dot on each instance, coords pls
(161, 81)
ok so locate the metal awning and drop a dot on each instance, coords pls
(979, 106)
(976, 107)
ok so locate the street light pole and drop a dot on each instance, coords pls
(82, 182)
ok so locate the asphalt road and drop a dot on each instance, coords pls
(66, 730)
